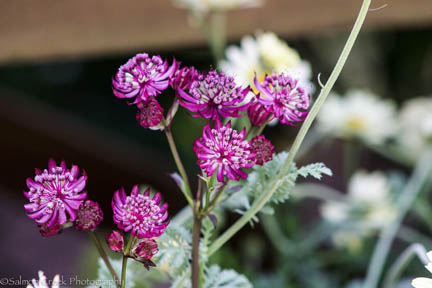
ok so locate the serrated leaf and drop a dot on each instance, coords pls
(215, 277)
(315, 170)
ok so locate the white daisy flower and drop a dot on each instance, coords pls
(264, 54)
(368, 206)
(360, 114)
(415, 119)
(422, 282)
(42, 282)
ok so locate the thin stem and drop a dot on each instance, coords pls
(125, 259)
(196, 234)
(215, 199)
(262, 200)
(399, 265)
(216, 34)
(187, 193)
(104, 256)
(195, 252)
(409, 194)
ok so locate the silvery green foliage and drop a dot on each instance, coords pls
(261, 177)
(315, 170)
(215, 277)
(175, 247)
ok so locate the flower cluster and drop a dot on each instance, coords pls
(283, 97)
(139, 214)
(214, 95)
(225, 151)
(55, 195)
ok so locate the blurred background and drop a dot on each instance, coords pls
(56, 63)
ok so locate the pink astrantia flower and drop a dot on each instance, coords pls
(142, 77)
(139, 213)
(212, 95)
(53, 193)
(89, 215)
(145, 249)
(258, 114)
(224, 150)
(281, 95)
(263, 149)
(50, 231)
(150, 113)
(115, 240)
(183, 77)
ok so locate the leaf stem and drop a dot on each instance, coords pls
(262, 200)
(125, 259)
(187, 193)
(104, 256)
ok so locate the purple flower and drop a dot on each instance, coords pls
(54, 192)
(258, 114)
(281, 95)
(89, 215)
(140, 214)
(115, 240)
(150, 113)
(223, 150)
(50, 231)
(262, 148)
(214, 94)
(142, 77)
(183, 77)
(145, 249)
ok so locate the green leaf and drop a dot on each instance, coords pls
(215, 277)
(315, 170)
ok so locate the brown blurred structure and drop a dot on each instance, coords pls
(31, 30)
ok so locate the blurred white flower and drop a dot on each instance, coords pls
(368, 206)
(360, 114)
(422, 282)
(415, 119)
(42, 282)
(264, 54)
(216, 5)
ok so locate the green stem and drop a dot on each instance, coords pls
(125, 259)
(262, 200)
(104, 256)
(187, 191)
(216, 34)
(417, 181)
(399, 265)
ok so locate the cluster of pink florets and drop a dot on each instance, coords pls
(216, 97)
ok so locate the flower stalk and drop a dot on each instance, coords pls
(104, 257)
(262, 200)
(187, 193)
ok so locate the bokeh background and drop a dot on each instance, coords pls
(56, 63)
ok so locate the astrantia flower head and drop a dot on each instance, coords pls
(262, 148)
(140, 214)
(225, 151)
(214, 94)
(115, 240)
(89, 215)
(55, 194)
(422, 282)
(144, 250)
(43, 283)
(149, 114)
(282, 96)
(142, 77)
(183, 77)
(258, 114)
(50, 231)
